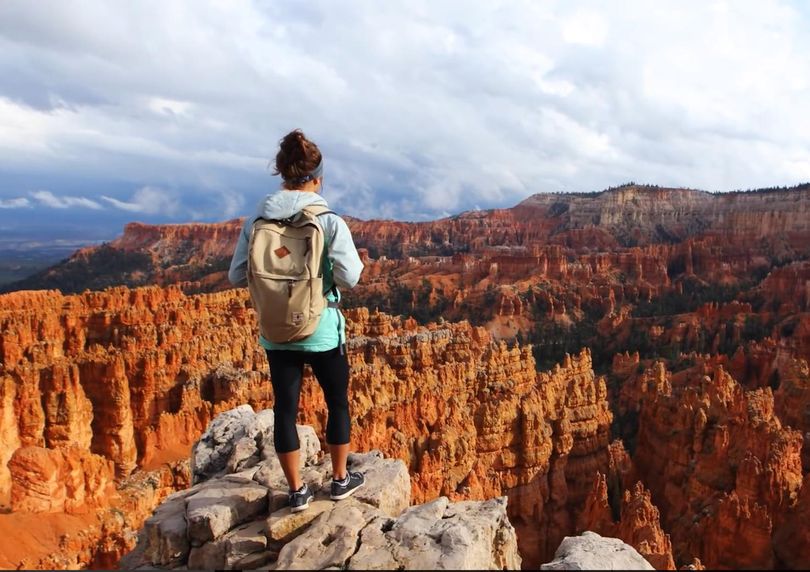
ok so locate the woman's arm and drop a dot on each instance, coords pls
(346, 263)
(238, 271)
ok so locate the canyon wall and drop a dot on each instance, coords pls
(133, 376)
(103, 386)
(721, 467)
(639, 522)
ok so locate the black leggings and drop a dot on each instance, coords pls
(331, 369)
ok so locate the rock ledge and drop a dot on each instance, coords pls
(235, 515)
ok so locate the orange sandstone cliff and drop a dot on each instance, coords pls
(722, 468)
(146, 369)
(639, 522)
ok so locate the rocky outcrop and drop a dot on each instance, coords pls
(58, 480)
(237, 519)
(592, 552)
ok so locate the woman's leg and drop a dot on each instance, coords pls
(339, 455)
(331, 369)
(286, 369)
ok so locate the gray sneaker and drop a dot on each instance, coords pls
(299, 500)
(345, 488)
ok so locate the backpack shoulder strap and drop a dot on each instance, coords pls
(318, 210)
(262, 222)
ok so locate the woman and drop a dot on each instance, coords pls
(300, 164)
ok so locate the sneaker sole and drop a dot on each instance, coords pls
(303, 507)
(349, 493)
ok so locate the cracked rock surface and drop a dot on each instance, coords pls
(235, 515)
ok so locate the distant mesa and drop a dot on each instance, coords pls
(196, 256)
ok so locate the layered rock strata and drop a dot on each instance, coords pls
(649, 235)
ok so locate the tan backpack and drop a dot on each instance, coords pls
(284, 273)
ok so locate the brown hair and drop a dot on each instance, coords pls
(296, 157)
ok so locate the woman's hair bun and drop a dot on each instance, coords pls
(297, 156)
(293, 141)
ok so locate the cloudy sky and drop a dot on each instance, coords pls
(169, 111)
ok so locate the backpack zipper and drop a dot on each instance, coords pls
(290, 284)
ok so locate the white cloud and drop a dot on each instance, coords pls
(48, 199)
(420, 107)
(16, 203)
(148, 200)
(231, 204)
(585, 27)
(164, 106)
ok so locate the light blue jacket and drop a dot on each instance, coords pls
(342, 264)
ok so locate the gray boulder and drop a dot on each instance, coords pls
(435, 536)
(593, 552)
(330, 540)
(388, 485)
(270, 474)
(239, 439)
(216, 509)
(245, 544)
(166, 539)
(211, 453)
(440, 535)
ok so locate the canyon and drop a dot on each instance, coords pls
(631, 362)
(470, 416)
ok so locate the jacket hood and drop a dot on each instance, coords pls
(284, 204)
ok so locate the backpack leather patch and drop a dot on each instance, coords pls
(282, 251)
